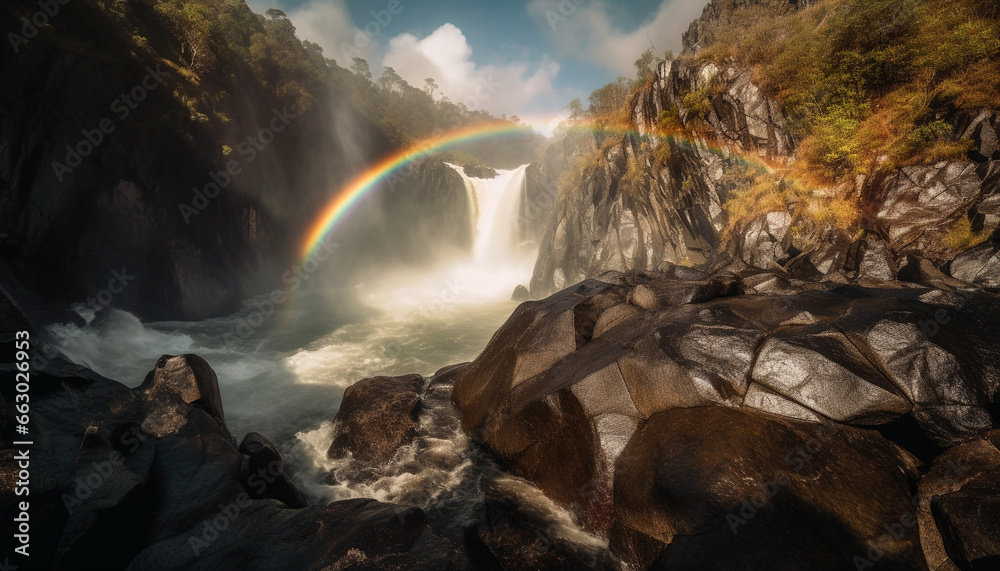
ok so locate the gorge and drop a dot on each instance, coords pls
(686, 331)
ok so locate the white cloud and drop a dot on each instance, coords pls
(513, 88)
(329, 24)
(522, 88)
(585, 29)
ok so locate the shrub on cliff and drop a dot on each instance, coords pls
(867, 82)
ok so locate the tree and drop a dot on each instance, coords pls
(576, 110)
(609, 102)
(390, 80)
(360, 68)
(645, 66)
(430, 86)
(193, 23)
(275, 14)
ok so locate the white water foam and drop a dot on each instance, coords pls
(427, 318)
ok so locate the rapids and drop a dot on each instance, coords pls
(285, 379)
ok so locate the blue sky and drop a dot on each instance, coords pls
(527, 58)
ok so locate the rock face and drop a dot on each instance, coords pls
(607, 220)
(479, 171)
(150, 478)
(719, 13)
(691, 415)
(980, 265)
(959, 495)
(391, 403)
(139, 204)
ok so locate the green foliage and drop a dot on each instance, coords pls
(863, 80)
(669, 120)
(661, 154)
(360, 68)
(832, 146)
(961, 236)
(645, 67)
(756, 192)
(221, 56)
(698, 103)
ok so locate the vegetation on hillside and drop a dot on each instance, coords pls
(408, 114)
(869, 86)
(225, 59)
(604, 124)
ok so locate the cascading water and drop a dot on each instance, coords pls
(413, 320)
(495, 204)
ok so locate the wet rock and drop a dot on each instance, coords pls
(575, 380)
(764, 241)
(962, 494)
(111, 485)
(946, 400)
(948, 474)
(263, 472)
(852, 390)
(524, 533)
(918, 205)
(980, 266)
(476, 171)
(875, 261)
(350, 534)
(717, 487)
(389, 403)
(181, 379)
(520, 294)
(802, 267)
(921, 271)
(659, 294)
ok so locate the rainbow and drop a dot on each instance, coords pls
(340, 205)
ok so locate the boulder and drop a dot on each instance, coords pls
(521, 293)
(151, 478)
(724, 488)
(518, 532)
(943, 533)
(980, 266)
(875, 261)
(672, 365)
(377, 416)
(921, 271)
(263, 472)
(262, 536)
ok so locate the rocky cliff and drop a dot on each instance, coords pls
(700, 131)
(107, 168)
(730, 417)
(693, 417)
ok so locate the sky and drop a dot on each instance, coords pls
(516, 57)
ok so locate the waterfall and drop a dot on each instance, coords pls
(494, 204)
